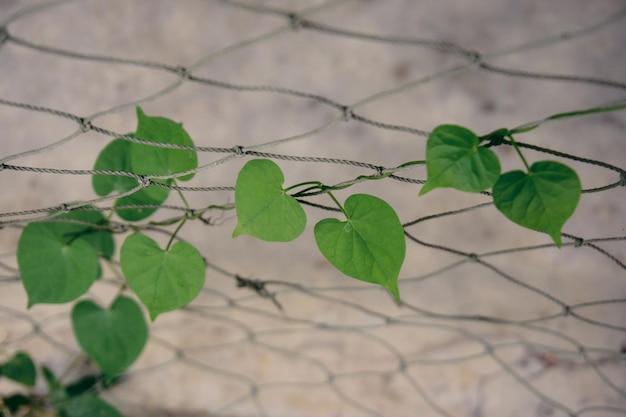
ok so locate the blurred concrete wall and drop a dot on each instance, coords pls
(434, 356)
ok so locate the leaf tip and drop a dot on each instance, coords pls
(426, 188)
(238, 231)
(395, 291)
(556, 236)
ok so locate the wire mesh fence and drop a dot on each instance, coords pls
(494, 319)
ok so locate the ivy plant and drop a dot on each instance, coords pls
(369, 245)
(74, 399)
(541, 198)
(61, 257)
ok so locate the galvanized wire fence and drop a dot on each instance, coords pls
(494, 320)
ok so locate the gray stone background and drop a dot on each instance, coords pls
(335, 348)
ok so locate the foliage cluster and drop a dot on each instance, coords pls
(59, 259)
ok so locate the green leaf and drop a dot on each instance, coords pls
(50, 377)
(150, 196)
(112, 338)
(116, 156)
(14, 402)
(20, 368)
(87, 405)
(125, 156)
(101, 239)
(454, 159)
(152, 160)
(496, 137)
(369, 246)
(82, 386)
(264, 209)
(54, 267)
(541, 200)
(164, 280)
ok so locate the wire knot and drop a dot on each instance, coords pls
(474, 57)
(118, 227)
(190, 214)
(183, 72)
(85, 124)
(295, 21)
(578, 242)
(238, 150)
(257, 286)
(64, 208)
(4, 34)
(180, 354)
(566, 310)
(144, 181)
(380, 171)
(496, 140)
(347, 113)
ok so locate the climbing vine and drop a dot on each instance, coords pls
(60, 258)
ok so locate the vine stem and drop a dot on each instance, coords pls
(519, 152)
(183, 220)
(180, 226)
(339, 205)
(315, 184)
(182, 197)
(114, 269)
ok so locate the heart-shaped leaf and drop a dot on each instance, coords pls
(541, 200)
(55, 267)
(20, 368)
(264, 209)
(125, 156)
(152, 160)
(87, 405)
(116, 156)
(369, 246)
(112, 338)
(454, 159)
(164, 280)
